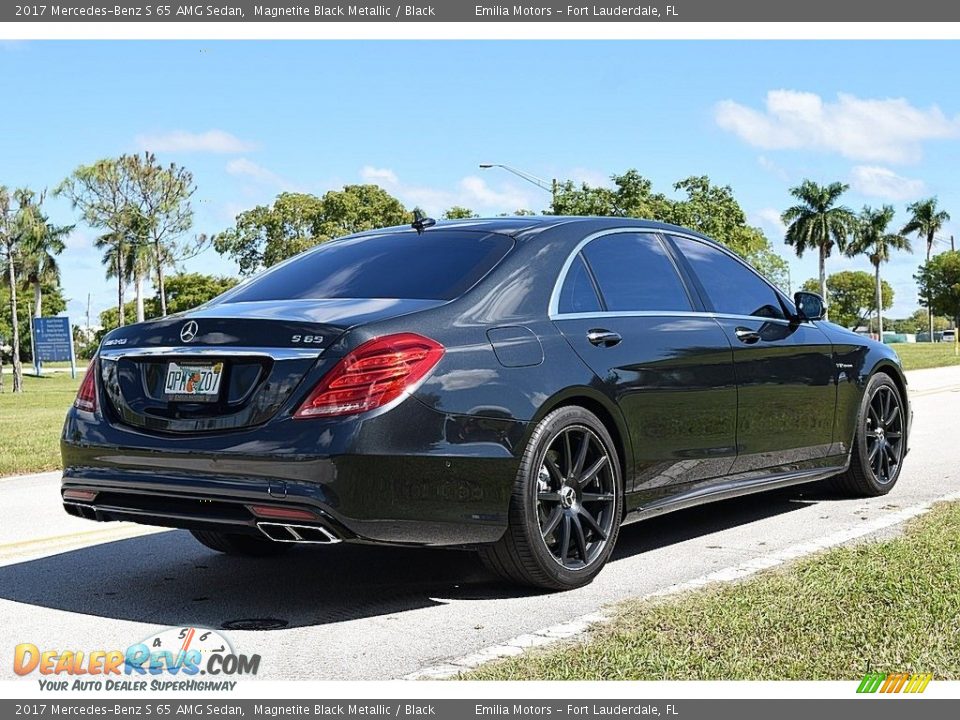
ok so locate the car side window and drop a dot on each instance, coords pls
(635, 273)
(578, 293)
(732, 287)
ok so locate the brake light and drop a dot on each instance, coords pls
(87, 394)
(372, 375)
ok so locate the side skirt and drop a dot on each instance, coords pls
(727, 489)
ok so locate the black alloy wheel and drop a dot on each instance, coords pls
(576, 497)
(566, 505)
(884, 434)
(880, 443)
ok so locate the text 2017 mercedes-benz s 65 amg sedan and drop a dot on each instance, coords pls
(517, 386)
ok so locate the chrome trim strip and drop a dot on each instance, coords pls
(116, 353)
(672, 313)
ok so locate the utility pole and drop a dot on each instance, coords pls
(953, 247)
(86, 333)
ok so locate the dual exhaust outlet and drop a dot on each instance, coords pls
(285, 532)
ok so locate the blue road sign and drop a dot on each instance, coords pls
(52, 341)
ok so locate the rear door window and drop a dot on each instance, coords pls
(437, 265)
(635, 273)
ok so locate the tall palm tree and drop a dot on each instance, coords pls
(139, 263)
(9, 245)
(40, 259)
(926, 221)
(872, 239)
(114, 247)
(818, 222)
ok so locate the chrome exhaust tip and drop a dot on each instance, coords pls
(285, 532)
(87, 512)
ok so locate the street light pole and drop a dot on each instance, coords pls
(550, 187)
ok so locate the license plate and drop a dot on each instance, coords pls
(193, 382)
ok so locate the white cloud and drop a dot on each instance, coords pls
(880, 130)
(772, 167)
(378, 176)
(242, 167)
(471, 191)
(884, 183)
(769, 219)
(211, 141)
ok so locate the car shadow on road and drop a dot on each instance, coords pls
(168, 578)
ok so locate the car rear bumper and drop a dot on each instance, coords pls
(412, 476)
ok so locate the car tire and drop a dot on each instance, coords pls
(565, 507)
(880, 444)
(238, 544)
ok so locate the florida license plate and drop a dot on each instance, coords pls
(193, 382)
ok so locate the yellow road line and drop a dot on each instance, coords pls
(116, 533)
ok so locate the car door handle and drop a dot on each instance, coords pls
(747, 336)
(603, 338)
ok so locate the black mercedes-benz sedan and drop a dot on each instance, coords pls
(516, 386)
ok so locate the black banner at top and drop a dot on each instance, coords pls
(482, 11)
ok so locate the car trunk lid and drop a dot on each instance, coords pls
(226, 366)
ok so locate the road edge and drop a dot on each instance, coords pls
(580, 625)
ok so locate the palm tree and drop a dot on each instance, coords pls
(872, 239)
(40, 259)
(926, 221)
(16, 230)
(114, 246)
(126, 255)
(9, 244)
(818, 222)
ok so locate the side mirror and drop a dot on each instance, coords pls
(810, 306)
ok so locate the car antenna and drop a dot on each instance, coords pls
(421, 222)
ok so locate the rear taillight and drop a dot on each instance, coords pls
(372, 375)
(87, 394)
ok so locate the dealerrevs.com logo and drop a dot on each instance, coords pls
(178, 659)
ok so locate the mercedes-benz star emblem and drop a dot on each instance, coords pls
(189, 331)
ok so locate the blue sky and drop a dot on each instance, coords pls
(252, 119)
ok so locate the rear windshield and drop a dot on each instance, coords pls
(438, 265)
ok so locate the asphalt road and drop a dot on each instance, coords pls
(372, 613)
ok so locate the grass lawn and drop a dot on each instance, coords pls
(916, 356)
(882, 606)
(30, 423)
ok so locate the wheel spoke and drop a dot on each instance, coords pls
(567, 453)
(596, 497)
(891, 453)
(553, 521)
(874, 416)
(553, 469)
(565, 539)
(892, 416)
(887, 401)
(592, 523)
(873, 459)
(581, 456)
(549, 496)
(579, 538)
(591, 474)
